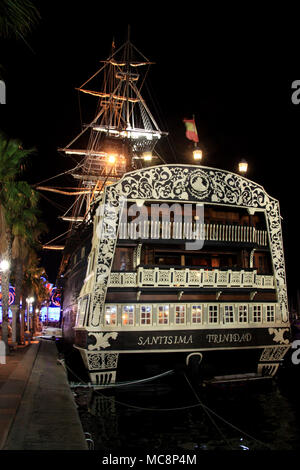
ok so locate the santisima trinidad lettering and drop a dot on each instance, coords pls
(151, 340)
(229, 338)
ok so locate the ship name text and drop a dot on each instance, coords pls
(229, 338)
(151, 340)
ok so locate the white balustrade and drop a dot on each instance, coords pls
(191, 231)
(124, 279)
(156, 277)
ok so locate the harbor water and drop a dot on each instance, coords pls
(176, 414)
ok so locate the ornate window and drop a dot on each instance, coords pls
(179, 314)
(228, 314)
(146, 315)
(213, 314)
(243, 313)
(163, 314)
(81, 312)
(182, 183)
(197, 312)
(92, 261)
(110, 315)
(128, 315)
(270, 313)
(256, 313)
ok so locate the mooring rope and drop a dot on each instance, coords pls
(97, 392)
(122, 384)
(208, 414)
(199, 404)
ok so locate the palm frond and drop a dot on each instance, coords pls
(17, 18)
(12, 155)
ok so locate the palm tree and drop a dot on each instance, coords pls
(17, 18)
(41, 294)
(5, 248)
(12, 155)
(11, 158)
(33, 285)
(26, 229)
(26, 232)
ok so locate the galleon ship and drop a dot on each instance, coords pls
(167, 264)
(199, 279)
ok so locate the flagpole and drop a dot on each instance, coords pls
(195, 143)
(192, 134)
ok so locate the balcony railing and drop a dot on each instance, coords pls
(155, 277)
(192, 231)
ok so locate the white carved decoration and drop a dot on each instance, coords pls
(191, 231)
(103, 379)
(102, 361)
(183, 183)
(102, 340)
(273, 354)
(278, 335)
(267, 370)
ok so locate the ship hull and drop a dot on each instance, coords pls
(201, 284)
(207, 353)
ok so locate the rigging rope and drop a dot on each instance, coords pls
(59, 236)
(55, 204)
(60, 174)
(68, 210)
(159, 113)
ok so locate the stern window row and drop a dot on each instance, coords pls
(195, 314)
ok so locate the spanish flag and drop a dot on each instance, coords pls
(191, 130)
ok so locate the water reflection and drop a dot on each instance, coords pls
(256, 416)
(226, 418)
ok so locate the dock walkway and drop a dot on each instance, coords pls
(37, 408)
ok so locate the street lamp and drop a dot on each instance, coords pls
(4, 265)
(243, 166)
(29, 301)
(36, 323)
(197, 154)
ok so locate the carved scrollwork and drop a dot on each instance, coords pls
(184, 183)
(102, 361)
(273, 354)
(102, 339)
(278, 335)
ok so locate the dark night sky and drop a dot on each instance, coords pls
(227, 70)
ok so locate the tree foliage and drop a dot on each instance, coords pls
(17, 18)
(20, 224)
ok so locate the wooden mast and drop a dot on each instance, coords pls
(123, 129)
